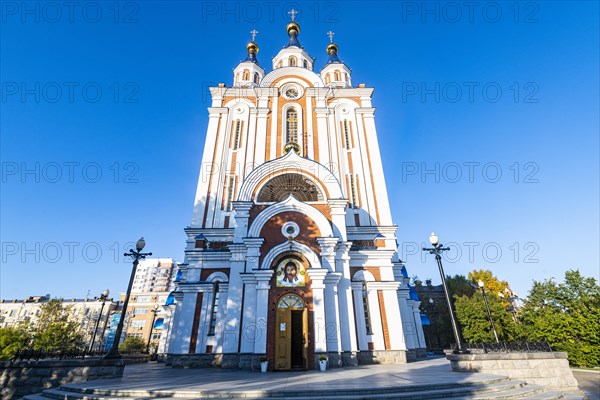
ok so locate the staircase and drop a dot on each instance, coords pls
(501, 388)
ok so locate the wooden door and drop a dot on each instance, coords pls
(283, 339)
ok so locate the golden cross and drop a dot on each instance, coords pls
(330, 36)
(253, 32)
(293, 13)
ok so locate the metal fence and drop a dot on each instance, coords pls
(30, 354)
(510, 347)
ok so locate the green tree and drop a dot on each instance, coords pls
(132, 344)
(475, 322)
(55, 331)
(567, 315)
(13, 339)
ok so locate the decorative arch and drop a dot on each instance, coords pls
(363, 276)
(282, 248)
(280, 187)
(291, 162)
(290, 204)
(217, 277)
(309, 78)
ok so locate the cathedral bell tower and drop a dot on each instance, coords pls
(291, 252)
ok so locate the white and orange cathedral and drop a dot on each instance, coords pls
(292, 254)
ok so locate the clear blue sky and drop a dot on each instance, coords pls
(494, 89)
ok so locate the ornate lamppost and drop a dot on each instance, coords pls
(487, 307)
(511, 297)
(136, 256)
(437, 251)
(103, 297)
(154, 311)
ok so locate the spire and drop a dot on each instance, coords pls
(252, 48)
(293, 30)
(332, 50)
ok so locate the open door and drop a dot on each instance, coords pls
(291, 333)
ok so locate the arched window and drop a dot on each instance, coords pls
(236, 134)
(347, 77)
(327, 80)
(293, 61)
(280, 187)
(246, 75)
(365, 299)
(305, 64)
(337, 77)
(291, 301)
(256, 77)
(291, 126)
(214, 311)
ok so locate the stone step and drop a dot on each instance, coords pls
(502, 389)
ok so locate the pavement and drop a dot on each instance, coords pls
(589, 382)
(151, 377)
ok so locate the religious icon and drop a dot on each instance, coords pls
(290, 273)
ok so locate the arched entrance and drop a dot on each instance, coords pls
(291, 333)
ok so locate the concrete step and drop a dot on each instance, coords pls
(499, 389)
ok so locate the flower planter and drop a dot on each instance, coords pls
(323, 365)
(263, 366)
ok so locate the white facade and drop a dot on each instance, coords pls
(291, 253)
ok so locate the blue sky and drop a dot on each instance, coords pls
(487, 120)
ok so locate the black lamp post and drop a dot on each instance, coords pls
(103, 297)
(154, 312)
(437, 251)
(511, 297)
(136, 256)
(487, 306)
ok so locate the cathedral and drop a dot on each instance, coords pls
(291, 255)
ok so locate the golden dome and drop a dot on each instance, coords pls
(252, 47)
(293, 26)
(332, 47)
(290, 146)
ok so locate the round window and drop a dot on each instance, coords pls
(290, 229)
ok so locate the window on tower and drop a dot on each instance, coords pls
(215, 307)
(365, 299)
(246, 75)
(293, 61)
(347, 127)
(292, 126)
(256, 77)
(337, 77)
(236, 135)
(305, 64)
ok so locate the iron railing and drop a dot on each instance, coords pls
(510, 347)
(30, 354)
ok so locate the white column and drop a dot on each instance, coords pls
(327, 245)
(234, 299)
(310, 143)
(253, 253)
(322, 130)
(166, 330)
(242, 214)
(261, 136)
(250, 144)
(184, 322)
(249, 314)
(392, 312)
(338, 217)
(221, 328)
(417, 319)
(263, 278)
(317, 275)
(407, 319)
(175, 333)
(332, 314)
(348, 328)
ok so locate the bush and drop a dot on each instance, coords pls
(132, 344)
(13, 339)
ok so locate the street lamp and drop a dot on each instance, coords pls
(487, 306)
(154, 312)
(437, 250)
(103, 297)
(510, 297)
(136, 256)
